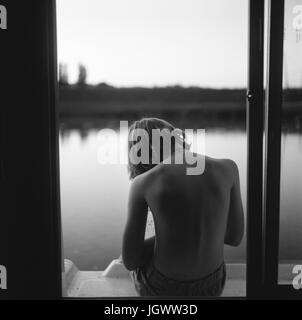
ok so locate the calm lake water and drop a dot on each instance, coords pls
(94, 196)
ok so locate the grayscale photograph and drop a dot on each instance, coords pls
(151, 150)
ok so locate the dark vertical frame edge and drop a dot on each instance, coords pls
(54, 134)
(30, 210)
(273, 130)
(255, 127)
(273, 118)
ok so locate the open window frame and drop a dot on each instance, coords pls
(32, 244)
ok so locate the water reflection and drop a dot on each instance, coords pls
(94, 196)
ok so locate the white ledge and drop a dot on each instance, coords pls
(115, 280)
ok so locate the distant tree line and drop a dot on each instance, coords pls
(104, 92)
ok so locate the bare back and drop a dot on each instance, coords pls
(192, 216)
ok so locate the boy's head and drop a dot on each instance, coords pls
(146, 131)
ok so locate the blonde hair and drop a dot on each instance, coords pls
(149, 124)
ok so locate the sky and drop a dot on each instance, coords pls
(155, 42)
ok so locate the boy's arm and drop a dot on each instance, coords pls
(133, 251)
(235, 222)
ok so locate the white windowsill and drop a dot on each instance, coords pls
(115, 281)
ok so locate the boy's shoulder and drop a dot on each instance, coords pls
(224, 167)
(141, 180)
(226, 163)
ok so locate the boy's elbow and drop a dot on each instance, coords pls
(131, 255)
(234, 235)
(130, 263)
(233, 241)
